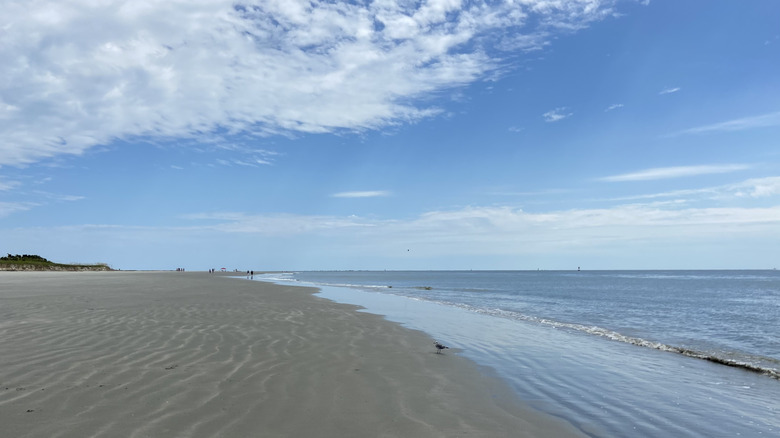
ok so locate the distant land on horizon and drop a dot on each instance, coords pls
(32, 262)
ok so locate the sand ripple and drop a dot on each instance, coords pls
(197, 355)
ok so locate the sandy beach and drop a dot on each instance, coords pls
(190, 354)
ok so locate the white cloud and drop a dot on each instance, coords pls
(670, 90)
(8, 185)
(9, 208)
(675, 172)
(756, 187)
(556, 115)
(81, 73)
(58, 197)
(676, 232)
(250, 162)
(526, 43)
(614, 106)
(364, 194)
(760, 121)
(752, 188)
(506, 230)
(279, 224)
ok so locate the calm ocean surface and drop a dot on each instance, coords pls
(616, 353)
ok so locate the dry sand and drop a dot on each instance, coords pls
(170, 354)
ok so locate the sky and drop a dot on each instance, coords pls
(391, 134)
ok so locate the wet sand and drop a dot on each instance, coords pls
(191, 354)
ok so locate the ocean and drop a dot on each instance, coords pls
(615, 353)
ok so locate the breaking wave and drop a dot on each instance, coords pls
(619, 337)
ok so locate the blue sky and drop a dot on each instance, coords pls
(392, 134)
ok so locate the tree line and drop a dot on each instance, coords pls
(23, 258)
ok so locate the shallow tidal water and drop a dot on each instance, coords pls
(582, 372)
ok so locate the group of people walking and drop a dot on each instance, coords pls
(248, 273)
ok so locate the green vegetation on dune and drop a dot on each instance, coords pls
(31, 262)
(25, 258)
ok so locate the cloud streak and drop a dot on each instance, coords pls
(8, 185)
(9, 208)
(669, 90)
(363, 194)
(755, 188)
(741, 124)
(79, 74)
(675, 172)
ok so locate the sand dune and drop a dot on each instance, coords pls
(167, 354)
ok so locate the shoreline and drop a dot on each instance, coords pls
(602, 386)
(154, 353)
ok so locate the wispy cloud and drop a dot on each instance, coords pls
(614, 106)
(279, 224)
(185, 70)
(741, 124)
(32, 198)
(526, 42)
(8, 185)
(9, 208)
(556, 115)
(246, 162)
(754, 188)
(58, 197)
(508, 230)
(363, 194)
(670, 90)
(671, 227)
(674, 172)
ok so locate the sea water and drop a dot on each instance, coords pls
(616, 353)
